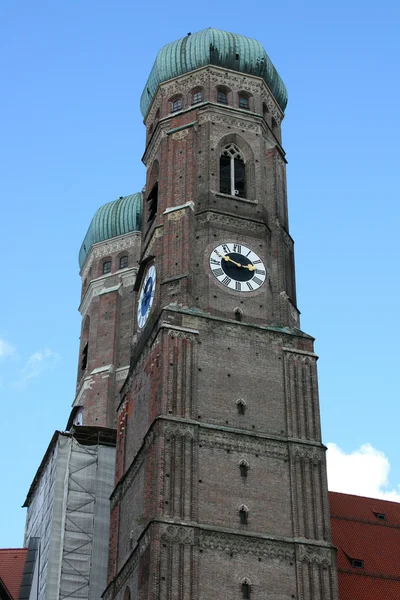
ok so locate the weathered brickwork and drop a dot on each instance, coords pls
(221, 475)
(107, 327)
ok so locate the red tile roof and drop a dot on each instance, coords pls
(358, 533)
(12, 561)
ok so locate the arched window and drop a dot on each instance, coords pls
(197, 97)
(222, 96)
(123, 262)
(78, 420)
(157, 115)
(232, 178)
(243, 515)
(244, 467)
(246, 589)
(244, 101)
(177, 104)
(127, 594)
(106, 267)
(265, 111)
(241, 406)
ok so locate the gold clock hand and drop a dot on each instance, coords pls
(232, 261)
(249, 267)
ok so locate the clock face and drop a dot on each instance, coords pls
(146, 295)
(237, 267)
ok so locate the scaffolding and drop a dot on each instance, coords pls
(69, 510)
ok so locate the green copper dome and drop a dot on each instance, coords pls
(213, 47)
(114, 218)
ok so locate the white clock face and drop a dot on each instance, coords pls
(146, 295)
(237, 267)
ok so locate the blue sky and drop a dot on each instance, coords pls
(72, 139)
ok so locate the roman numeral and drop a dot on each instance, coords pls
(218, 272)
(249, 285)
(226, 280)
(237, 248)
(214, 262)
(238, 286)
(256, 262)
(257, 280)
(260, 272)
(226, 248)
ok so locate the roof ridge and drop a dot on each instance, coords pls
(366, 521)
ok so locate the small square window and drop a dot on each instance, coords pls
(357, 563)
(123, 262)
(197, 97)
(380, 516)
(243, 102)
(177, 105)
(106, 267)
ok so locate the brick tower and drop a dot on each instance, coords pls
(220, 479)
(108, 259)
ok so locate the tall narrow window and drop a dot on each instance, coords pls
(127, 594)
(222, 96)
(232, 176)
(241, 407)
(275, 127)
(243, 515)
(123, 262)
(84, 356)
(246, 590)
(152, 203)
(244, 467)
(244, 101)
(106, 267)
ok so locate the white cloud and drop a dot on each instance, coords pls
(37, 363)
(363, 472)
(6, 349)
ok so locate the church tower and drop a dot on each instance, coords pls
(221, 485)
(108, 259)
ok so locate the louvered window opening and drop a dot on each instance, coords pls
(232, 172)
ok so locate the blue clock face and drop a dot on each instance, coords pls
(146, 295)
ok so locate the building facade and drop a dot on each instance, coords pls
(220, 477)
(192, 352)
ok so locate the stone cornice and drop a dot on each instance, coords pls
(115, 244)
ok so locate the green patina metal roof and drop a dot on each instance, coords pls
(213, 47)
(114, 218)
